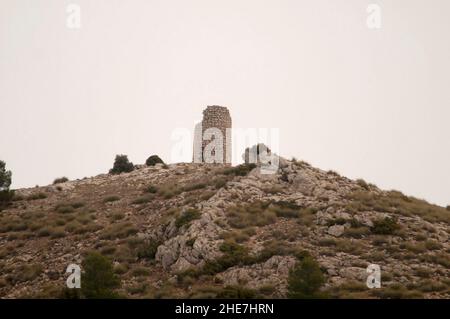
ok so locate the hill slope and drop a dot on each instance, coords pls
(190, 230)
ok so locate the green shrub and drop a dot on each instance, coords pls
(57, 233)
(5, 177)
(44, 232)
(195, 186)
(186, 217)
(362, 183)
(143, 199)
(76, 205)
(386, 226)
(121, 230)
(357, 232)
(429, 285)
(98, 278)
(432, 245)
(220, 182)
(252, 214)
(121, 269)
(275, 248)
(440, 258)
(153, 160)
(117, 216)
(60, 180)
(238, 236)
(396, 291)
(64, 209)
(36, 196)
(191, 242)
(305, 280)
(233, 254)
(286, 209)
(26, 273)
(112, 198)
(6, 196)
(121, 165)
(147, 250)
(68, 207)
(169, 190)
(151, 189)
(140, 272)
(240, 170)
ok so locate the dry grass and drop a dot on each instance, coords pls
(121, 230)
(254, 214)
(397, 203)
(112, 198)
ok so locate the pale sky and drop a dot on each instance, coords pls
(367, 103)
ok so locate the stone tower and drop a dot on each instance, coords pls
(212, 136)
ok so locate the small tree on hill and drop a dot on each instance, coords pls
(153, 160)
(305, 280)
(5, 181)
(98, 280)
(5, 177)
(121, 165)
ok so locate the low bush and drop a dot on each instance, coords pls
(233, 255)
(357, 232)
(186, 217)
(112, 198)
(117, 216)
(151, 189)
(147, 250)
(121, 165)
(396, 291)
(60, 180)
(240, 170)
(153, 160)
(285, 209)
(143, 199)
(362, 183)
(36, 196)
(140, 272)
(24, 273)
(238, 236)
(386, 226)
(121, 230)
(252, 214)
(6, 196)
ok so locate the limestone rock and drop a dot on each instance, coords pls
(336, 230)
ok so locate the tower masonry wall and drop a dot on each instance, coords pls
(215, 128)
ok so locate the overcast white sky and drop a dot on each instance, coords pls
(366, 103)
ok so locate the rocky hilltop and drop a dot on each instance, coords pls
(197, 230)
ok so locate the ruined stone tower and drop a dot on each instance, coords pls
(212, 136)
